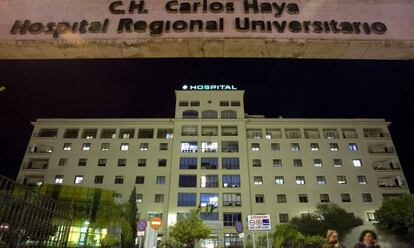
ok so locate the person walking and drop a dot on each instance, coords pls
(332, 240)
(367, 239)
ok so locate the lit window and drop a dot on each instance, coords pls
(67, 146)
(341, 179)
(334, 147)
(330, 134)
(105, 146)
(317, 162)
(273, 133)
(160, 180)
(300, 180)
(279, 180)
(86, 146)
(108, 134)
(143, 147)
(209, 199)
(277, 163)
(254, 134)
(314, 146)
(189, 146)
(126, 133)
(294, 147)
(231, 181)
(357, 162)
(258, 180)
(59, 179)
(124, 147)
(210, 181)
(353, 147)
(255, 147)
(209, 146)
(165, 134)
(362, 179)
(78, 179)
(189, 131)
(232, 199)
(371, 217)
(89, 133)
(140, 198)
(320, 180)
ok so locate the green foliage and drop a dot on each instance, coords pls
(327, 216)
(189, 230)
(109, 241)
(397, 216)
(131, 214)
(288, 235)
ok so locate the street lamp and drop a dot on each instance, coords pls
(4, 227)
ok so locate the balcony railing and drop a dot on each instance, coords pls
(386, 166)
(386, 150)
(40, 149)
(35, 166)
(376, 134)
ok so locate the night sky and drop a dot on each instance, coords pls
(144, 88)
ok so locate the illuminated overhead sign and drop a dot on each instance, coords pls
(209, 87)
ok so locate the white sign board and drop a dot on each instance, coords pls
(259, 222)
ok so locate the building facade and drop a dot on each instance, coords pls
(214, 156)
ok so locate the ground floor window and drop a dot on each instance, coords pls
(232, 240)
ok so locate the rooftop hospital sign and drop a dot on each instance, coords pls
(380, 29)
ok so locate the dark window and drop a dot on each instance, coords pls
(257, 163)
(163, 146)
(162, 162)
(102, 162)
(229, 146)
(122, 162)
(163, 133)
(119, 179)
(89, 133)
(188, 163)
(47, 133)
(346, 197)
(209, 114)
(229, 219)
(231, 181)
(366, 197)
(235, 103)
(303, 198)
(183, 103)
(281, 198)
(230, 163)
(324, 198)
(228, 114)
(190, 114)
(224, 103)
(232, 199)
(71, 134)
(209, 163)
(98, 179)
(142, 162)
(139, 179)
(187, 199)
(195, 103)
(108, 133)
(82, 162)
(127, 133)
(187, 181)
(259, 198)
(283, 218)
(145, 133)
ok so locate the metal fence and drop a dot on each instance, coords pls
(29, 219)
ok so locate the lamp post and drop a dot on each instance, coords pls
(87, 231)
(4, 227)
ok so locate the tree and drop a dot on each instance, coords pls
(187, 231)
(397, 216)
(288, 235)
(132, 219)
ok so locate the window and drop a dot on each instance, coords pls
(146, 133)
(303, 198)
(195, 103)
(259, 198)
(224, 103)
(209, 199)
(353, 147)
(258, 180)
(277, 163)
(98, 180)
(105, 146)
(71, 134)
(89, 133)
(47, 133)
(273, 133)
(86, 146)
(294, 147)
(209, 114)
(82, 162)
(293, 134)
(187, 181)
(139, 179)
(190, 114)
(230, 163)
(63, 161)
(279, 180)
(334, 147)
(229, 219)
(229, 146)
(366, 197)
(209, 163)
(102, 162)
(122, 162)
(119, 179)
(67, 146)
(341, 179)
(300, 180)
(142, 162)
(209, 130)
(188, 163)
(312, 133)
(337, 162)
(189, 146)
(330, 134)
(108, 134)
(297, 163)
(163, 146)
(183, 103)
(255, 147)
(283, 218)
(209, 181)
(126, 133)
(362, 179)
(324, 198)
(275, 147)
(163, 133)
(349, 133)
(229, 131)
(140, 198)
(254, 133)
(314, 146)
(189, 131)
(371, 217)
(228, 114)
(78, 179)
(58, 179)
(159, 198)
(320, 180)
(257, 163)
(143, 146)
(281, 198)
(209, 146)
(357, 162)
(187, 199)
(317, 162)
(345, 197)
(235, 103)
(124, 147)
(232, 199)
(162, 162)
(231, 181)
(160, 180)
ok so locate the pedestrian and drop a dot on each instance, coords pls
(332, 240)
(367, 239)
